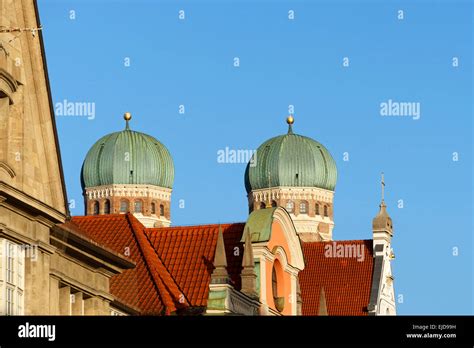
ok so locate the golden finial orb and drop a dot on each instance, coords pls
(290, 119)
(127, 116)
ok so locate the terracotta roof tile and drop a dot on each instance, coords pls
(188, 253)
(149, 286)
(347, 282)
(174, 264)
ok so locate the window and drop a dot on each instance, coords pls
(303, 207)
(107, 207)
(153, 208)
(19, 302)
(274, 283)
(11, 278)
(138, 206)
(162, 210)
(123, 206)
(290, 206)
(317, 209)
(10, 301)
(325, 210)
(278, 300)
(10, 262)
(95, 208)
(262, 205)
(274, 204)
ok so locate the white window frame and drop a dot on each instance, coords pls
(12, 278)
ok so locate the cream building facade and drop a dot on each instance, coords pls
(46, 267)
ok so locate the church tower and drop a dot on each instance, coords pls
(382, 297)
(299, 174)
(129, 171)
(382, 223)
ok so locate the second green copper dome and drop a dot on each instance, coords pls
(291, 160)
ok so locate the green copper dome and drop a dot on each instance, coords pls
(291, 160)
(128, 157)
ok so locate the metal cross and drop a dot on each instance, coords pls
(383, 186)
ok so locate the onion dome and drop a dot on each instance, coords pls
(291, 160)
(128, 157)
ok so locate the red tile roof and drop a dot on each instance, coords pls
(173, 264)
(188, 253)
(346, 281)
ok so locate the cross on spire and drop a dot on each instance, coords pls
(383, 187)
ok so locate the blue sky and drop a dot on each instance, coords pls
(286, 62)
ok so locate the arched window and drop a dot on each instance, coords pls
(317, 209)
(290, 206)
(95, 208)
(303, 207)
(123, 206)
(162, 210)
(153, 208)
(138, 205)
(262, 205)
(274, 284)
(274, 204)
(325, 210)
(278, 300)
(107, 207)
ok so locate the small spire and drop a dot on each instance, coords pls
(248, 275)
(127, 117)
(220, 275)
(323, 308)
(247, 260)
(382, 221)
(290, 120)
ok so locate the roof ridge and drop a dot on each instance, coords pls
(176, 297)
(170, 299)
(142, 245)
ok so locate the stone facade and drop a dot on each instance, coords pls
(45, 268)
